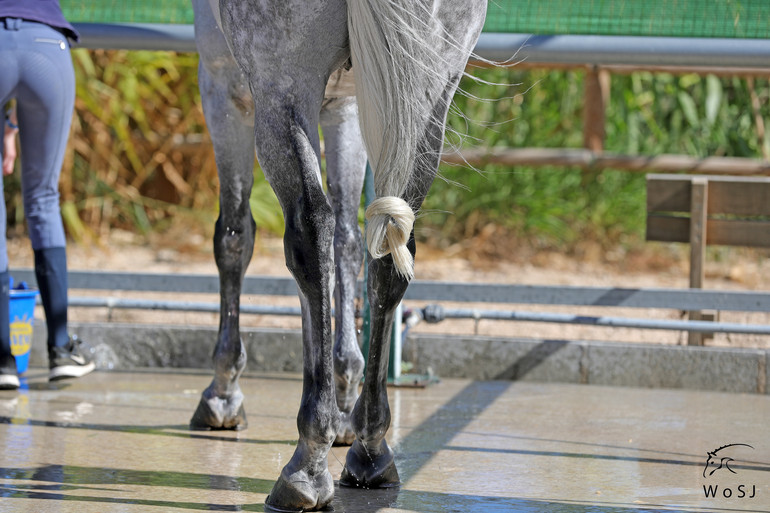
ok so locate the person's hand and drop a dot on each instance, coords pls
(9, 146)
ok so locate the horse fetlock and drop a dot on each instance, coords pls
(228, 367)
(347, 356)
(305, 483)
(229, 362)
(318, 425)
(223, 389)
(348, 371)
(345, 434)
(370, 419)
(347, 395)
(229, 392)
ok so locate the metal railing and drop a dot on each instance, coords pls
(533, 49)
(672, 299)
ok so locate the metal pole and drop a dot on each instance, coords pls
(460, 313)
(625, 50)
(532, 49)
(611, 322)
(366, 327)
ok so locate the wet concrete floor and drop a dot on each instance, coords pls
(118, 442)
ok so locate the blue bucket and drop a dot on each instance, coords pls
(22, 313)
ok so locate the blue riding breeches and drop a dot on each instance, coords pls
(36, 70)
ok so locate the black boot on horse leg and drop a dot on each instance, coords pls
(228, 107)
(345, 166)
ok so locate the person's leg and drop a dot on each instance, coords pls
(9, 378)
(51, 274)
(45, 97)
(8, 80)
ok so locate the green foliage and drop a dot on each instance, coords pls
(139, 157)
(265, 207)
(648, 114)
(687, 114)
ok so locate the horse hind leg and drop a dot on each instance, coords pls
(228, 107)
(345, 165)
(370, 461)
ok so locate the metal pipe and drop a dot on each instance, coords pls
(180, 306)
(458, 313)
(533, 49)
(456, 292)
(136, 36)
(625, 50)
(611, 322)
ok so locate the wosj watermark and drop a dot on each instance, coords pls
(721, 463)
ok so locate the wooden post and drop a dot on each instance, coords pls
(698, 220)
(597, 92)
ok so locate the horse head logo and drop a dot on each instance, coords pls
(715, 460)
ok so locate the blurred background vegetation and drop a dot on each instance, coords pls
(566, 209)
(140, 159)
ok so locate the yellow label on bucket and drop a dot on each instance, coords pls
(21, 336)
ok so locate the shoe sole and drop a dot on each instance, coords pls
(9, 382)
(70, 371)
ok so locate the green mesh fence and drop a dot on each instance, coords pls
(678, 18)
(128, 11)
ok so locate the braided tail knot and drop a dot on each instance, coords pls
(390, 221)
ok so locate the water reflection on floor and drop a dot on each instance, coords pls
(118, 442)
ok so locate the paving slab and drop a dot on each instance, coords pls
(118, 442)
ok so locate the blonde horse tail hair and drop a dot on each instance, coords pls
(392, 63)
(389, 224)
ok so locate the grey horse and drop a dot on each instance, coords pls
(407, 57)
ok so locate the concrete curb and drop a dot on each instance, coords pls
(128, 346)
(597, 363)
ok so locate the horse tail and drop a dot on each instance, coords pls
(391, 62)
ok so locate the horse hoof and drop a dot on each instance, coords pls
(301, 492)
(370, 469)
(216, 413)
(345, 434)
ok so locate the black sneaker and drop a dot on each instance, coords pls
(72, 361)
(9, 377)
